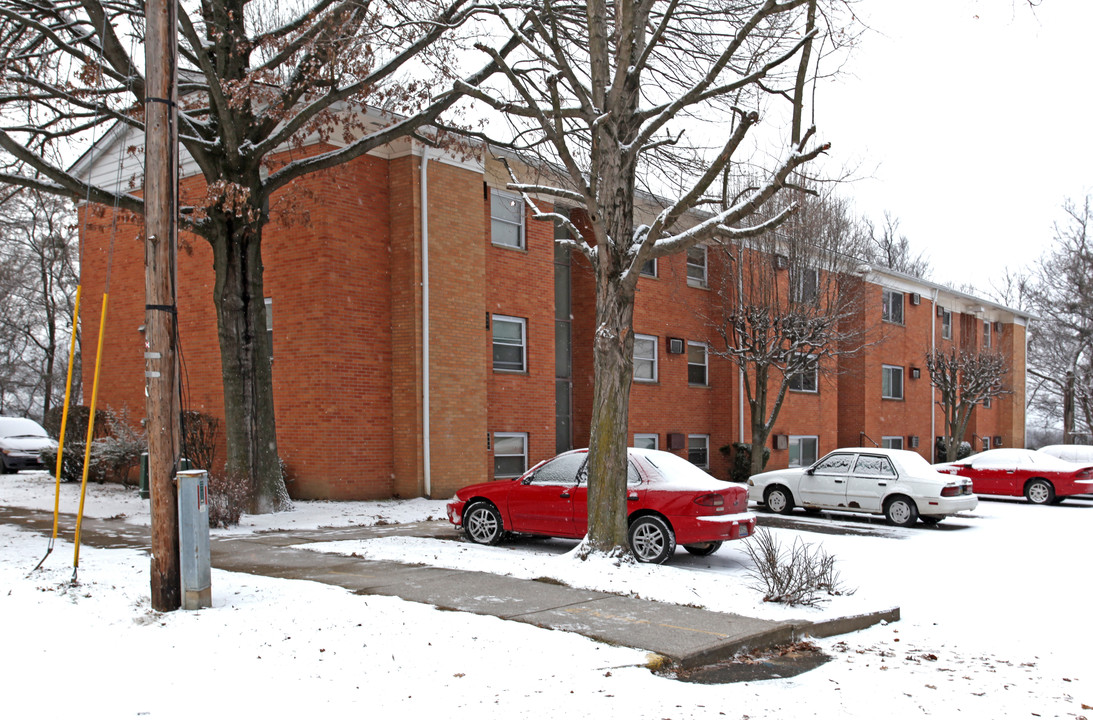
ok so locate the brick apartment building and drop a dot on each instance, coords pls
(427, 334)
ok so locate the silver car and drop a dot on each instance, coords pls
(21, 444)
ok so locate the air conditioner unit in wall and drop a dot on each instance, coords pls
(912, 441)
(916, 298)
(998, 327)
(781, 262)
(781, 442)
(677, 441)
(940, 311)
(916, 373)
(998, 441)
(675, 346)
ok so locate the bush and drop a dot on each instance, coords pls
(229, 497)
(200, 436)
(740, 470)
(800, 576)
(115, 456)
(75, 440)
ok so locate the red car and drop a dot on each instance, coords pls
(669, 501)
(1041, 478)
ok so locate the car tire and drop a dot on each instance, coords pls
(482, 524)
(651, 539)
(930, 520)
(901, 511)
(703, 549)
(778, 500)
(3, 467)
(1040, 492)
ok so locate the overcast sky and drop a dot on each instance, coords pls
(968, 120)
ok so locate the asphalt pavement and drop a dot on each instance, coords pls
(679, 637)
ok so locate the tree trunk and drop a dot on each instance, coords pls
(759, 428)
(613, 360)
(249, 426)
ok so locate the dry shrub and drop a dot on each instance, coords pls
(229, 498)
(802, 575)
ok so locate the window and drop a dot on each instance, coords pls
(986, 442)
(645, 358)
(946, 324)
(650, 267)
(646, 441)
(891, 382)
(803, 450)
(698, 450)
(696, 266)
(874, 466)
(893, 442)
(506, 219)
(838, 464)
(559, 471)
(987, 402)
(986, 334)
(892, 307)
(509, 347)
(805, 286)
(696, 363)
(806, 380)
(510, 454)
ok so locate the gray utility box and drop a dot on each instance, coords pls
(193, 539)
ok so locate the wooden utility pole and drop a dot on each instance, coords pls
(160, 255)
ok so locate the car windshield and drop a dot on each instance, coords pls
(21, 427)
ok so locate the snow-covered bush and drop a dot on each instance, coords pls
(229, 497)
(115, 456)
(802, 575)
(740, 452)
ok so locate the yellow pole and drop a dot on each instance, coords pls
(64, 414)
(90, 435)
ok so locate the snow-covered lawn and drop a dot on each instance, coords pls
(996, 624)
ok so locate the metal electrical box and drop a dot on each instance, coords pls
(193, 539)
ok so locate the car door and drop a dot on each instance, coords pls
(824, 484)
(868, 482)
(995, 473)
(580, 496)
(543, 504)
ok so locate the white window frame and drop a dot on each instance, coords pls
(523, 323)
(815, 379)
(798, 286)
(521, 233)
(887, 370)
(695, 280)
(988, 337)
(946, 324)
(269, 325)
(986, 439)
(524, 455)
(651, 264)
(647, 437)
(705, 363)
(888, 305)
(893, 442)
(653, 359)
(795, 440)
(706, 440)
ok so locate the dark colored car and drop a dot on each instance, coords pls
(21, 444)
(1041, 478)
(669, 501)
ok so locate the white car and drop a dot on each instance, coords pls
(899, 484)
(1082, 454)
(21, 444)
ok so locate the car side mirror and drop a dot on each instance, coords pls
(810, 471)
(527, 480)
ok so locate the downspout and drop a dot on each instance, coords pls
(426, 438)
(933, 388)
(743, 439)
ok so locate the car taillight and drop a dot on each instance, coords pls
(710, 500)
(950, 491)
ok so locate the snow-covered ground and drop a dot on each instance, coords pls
(996, 624)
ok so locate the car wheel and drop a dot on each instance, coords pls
(1040, 492)
(482, 524)
(651, 539)
(703, 549)
(901, 511)
(3, 467)
(930, 520)
(779, 500)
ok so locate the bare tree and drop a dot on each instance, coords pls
(612, 98)
(1061, 341)
(964, 379)
(38, 253)
(789, 305)
(892, 249)
(260, 81)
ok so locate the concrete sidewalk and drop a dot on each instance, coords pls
(687, 637)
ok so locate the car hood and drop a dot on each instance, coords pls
(485, 488)
(27, 444)
(779, 474)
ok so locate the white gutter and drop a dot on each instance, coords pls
(933, 388)
(426, 440)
